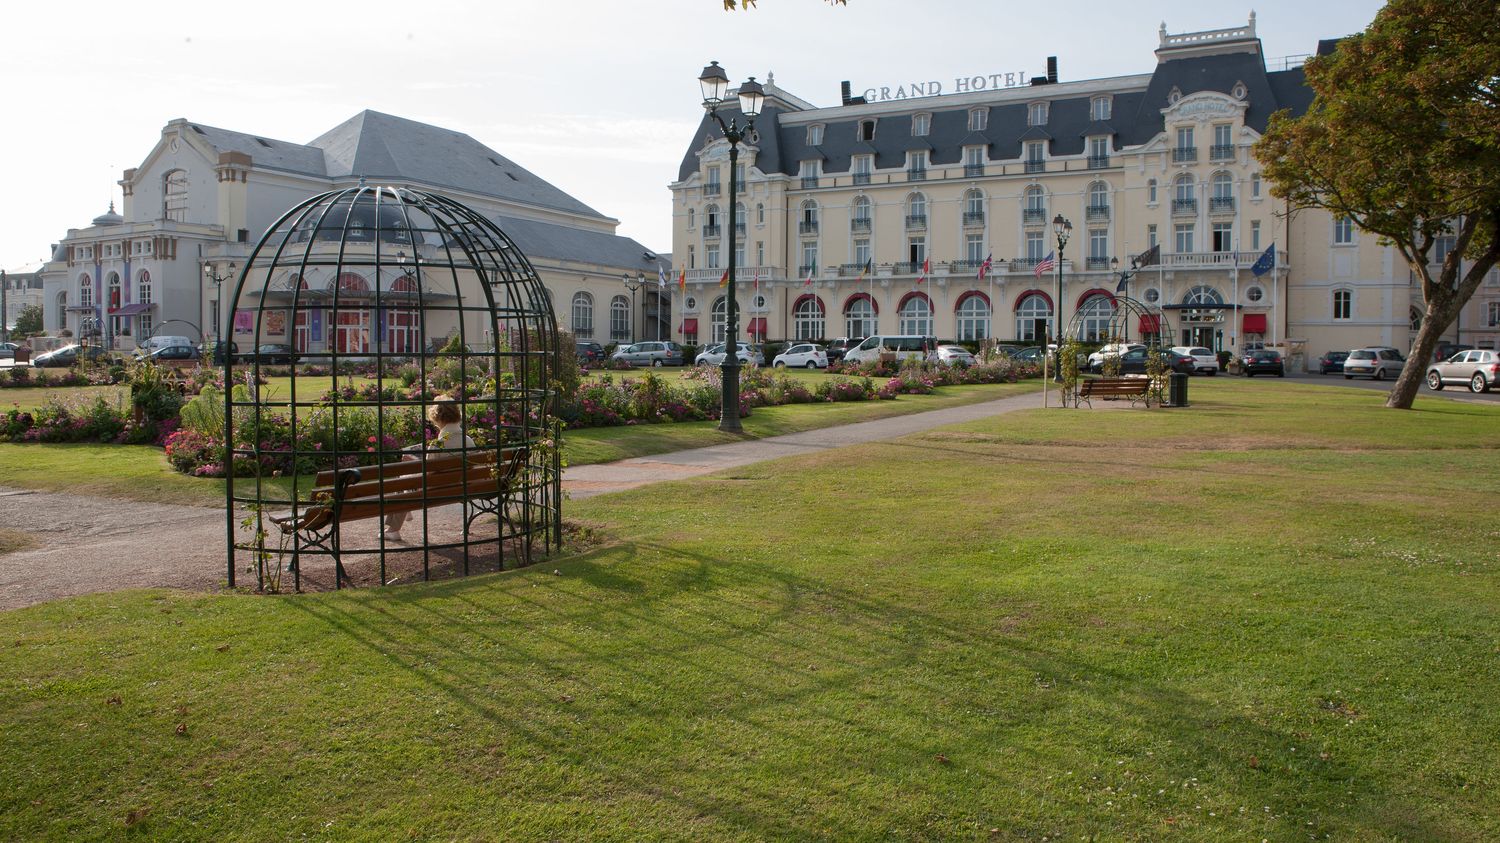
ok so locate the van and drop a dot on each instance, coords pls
(903, 346)
(160, 341)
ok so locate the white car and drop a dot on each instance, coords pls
(953, 355)
(803, 355)
(1205, 362)
(714, 355)
(1112, 350)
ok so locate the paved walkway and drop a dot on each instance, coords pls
(90, 544)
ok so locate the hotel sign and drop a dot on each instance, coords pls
(934, 88)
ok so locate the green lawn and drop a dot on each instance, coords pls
(1248, 620)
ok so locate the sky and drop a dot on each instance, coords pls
(599, 98)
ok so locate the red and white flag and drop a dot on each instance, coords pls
(984, 268)
(1046, 264)
(926, 268)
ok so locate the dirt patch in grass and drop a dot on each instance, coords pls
(14, 540)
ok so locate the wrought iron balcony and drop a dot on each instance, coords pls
(973, 170)
(1036, 166)
(1221, 152)
(973, 217)
(807, 270)
(861, 178)
(710, 231)
(916, 220)
(807, 227)
(916, 174)
(739, 228)
(1096, 213)
(1098, 162)
(809, 181)
(1221, 205)
(1034, 216)
(906, 268)
(860, 225)
(1184, 155)
(1184, 207)
(1097, 263)
(1023, 264)
(852, 269)
(711, 189)
(963, 267)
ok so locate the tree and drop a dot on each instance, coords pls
(28, 322)
(1403, 138)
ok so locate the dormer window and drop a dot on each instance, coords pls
(921, 124)
(1036, 114)
(866, 130)
(1099, 108)
(979, 118)
(815, 134)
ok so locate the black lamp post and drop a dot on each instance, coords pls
(210, 273)
(715, 84)
(632, 284)
(1064, 230)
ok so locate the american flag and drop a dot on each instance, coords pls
(1046, 264)
(984, 268)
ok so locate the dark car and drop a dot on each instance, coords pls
(841, 346)
(1031, 354)
(589, 351)
(1133, 362)
(218, 349)
(1262, 362)
(1332, 362)
(173, 352)
(276, 354)
(68, 355)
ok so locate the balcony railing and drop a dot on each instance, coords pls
(710, 231)
(973, 170)
(1096, 213)
(1034, 216)
(861, 178)
(1184, 207)
(711, 275)
(1184, 155)
(1097, 263)
(1098, 162)
(1036, 166)
(807, 270)
(739, 228)
(1223, 260)
(1221, 205)
(964, 267)
(906, 268)
(973, 217)
(809, 181)
(1023, 264)
(807, 227)
(916, 174)
(916, 220)
(1221, 152)
(851, 269)
(711, 189)
(860, 225)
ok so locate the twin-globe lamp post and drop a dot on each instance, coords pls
(715, 84)
(211, 274)
(633, 283)
(1064, 230)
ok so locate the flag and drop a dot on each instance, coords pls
(757, 278)
(984, 268)
(661, 277)
(682, 280)
(926, 268)
(1124, 282)
(808, 282)
(1265, 262)
(863, 271)
(724, 279)
(1149, 257)
(1044, 265)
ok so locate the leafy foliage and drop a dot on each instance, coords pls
(28, 322)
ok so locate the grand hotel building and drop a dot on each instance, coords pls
(1161, 158)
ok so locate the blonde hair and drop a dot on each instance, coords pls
(443, 411)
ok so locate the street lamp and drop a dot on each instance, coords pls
(632, 284)
(210, 273)
(715, 84)
(1064, 230)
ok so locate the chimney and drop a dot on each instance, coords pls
(1052, 69)
(846, 98)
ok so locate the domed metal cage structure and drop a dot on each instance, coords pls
(392, 360)
(1109, 319)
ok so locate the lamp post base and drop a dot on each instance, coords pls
(729, 409)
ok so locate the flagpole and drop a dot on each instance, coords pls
(1235, 313)
(1275, 294)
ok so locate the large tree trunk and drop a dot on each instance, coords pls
(1441, 310)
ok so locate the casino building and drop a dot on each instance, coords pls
(877, 214)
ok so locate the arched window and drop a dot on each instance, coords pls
(583, 315)
(62, 310)
(1343, 304)
(1151, 191)
(351, 325)
(860, 210)
(973, 205)
(859, 317)
(1182, 190)
(1203, 296)
(174, 196)
(711, 221)
(144, 322)
(717, 317)
(1223, 185)
(916, 206)
(760, 213)
(692, 218)
(85, 291)
(1029, 311)
(115, 296)
(619, 319)
(739, 218)
(402, 319)
(353, 282)
(1098, 197)
(1036, 199)
(807, 318)
(1414, 318)
(973, 317)
(1094, 315)
(807, 218)
(916, 316)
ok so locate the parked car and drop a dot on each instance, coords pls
(805, 355)
(1031, 354)
(71, 354)
(1447, 349)
(746, 353)
(1479, 368)
(1378, 363)
(953, 355)
(1205, 361)
(173, 352)
(1332, 362)
(276, 354)
(1262, 361)
(840, 346)
(589, 351)
(1008, 350)
(1112, 350)
(157, 342)
(650, 354)
(217, 350)
(1133, 362)
(901, 345)
(8, 350)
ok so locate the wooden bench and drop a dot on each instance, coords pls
(1133, 388)
(484, 481)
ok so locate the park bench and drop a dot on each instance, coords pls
(1135, 389)
(484, 481)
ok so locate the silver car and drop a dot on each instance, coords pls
(953, 355)
(714, 355)
(1205, 362)
(1375, 363)
(1479, 368)
(650, 354)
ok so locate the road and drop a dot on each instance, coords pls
(1456, 392)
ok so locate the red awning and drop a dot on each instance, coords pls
(690, 326)
(1255, 323)
(1150, 323)
(757, 326)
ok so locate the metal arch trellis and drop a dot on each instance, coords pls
(1125, 312)
(421, 298)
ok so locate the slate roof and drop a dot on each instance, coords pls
(561, 242)
(265, 152)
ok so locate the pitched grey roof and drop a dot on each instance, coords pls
(265, 152)
(381, 146)
(559, 242)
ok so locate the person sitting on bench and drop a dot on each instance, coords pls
(445, 415)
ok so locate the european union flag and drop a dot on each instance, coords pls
(1265, 262)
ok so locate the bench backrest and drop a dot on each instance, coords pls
(430, 480)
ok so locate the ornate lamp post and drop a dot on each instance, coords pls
(1064, 230)
(715, 84)
(632, 284)
(211, 274)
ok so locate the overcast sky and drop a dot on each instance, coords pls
(599, 98)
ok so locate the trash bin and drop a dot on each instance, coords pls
(1177, 386)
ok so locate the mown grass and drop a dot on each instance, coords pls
(1133, 625)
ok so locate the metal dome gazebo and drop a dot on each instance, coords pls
(359, 310)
